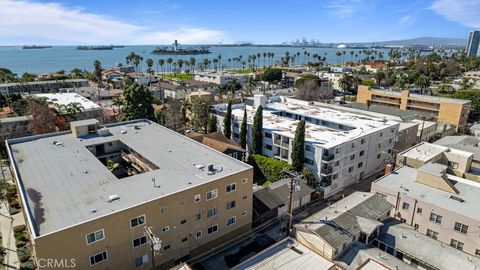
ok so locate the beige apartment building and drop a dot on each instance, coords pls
(89, 195)
(443, 110)
(439, 205)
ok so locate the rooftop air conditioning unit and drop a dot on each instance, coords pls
(103, 131)
(113, 197)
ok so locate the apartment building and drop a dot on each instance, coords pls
(341, 148)
(89, 194)
(220, 77)
(439, 205)
(41, 86)
(87, 108)
(443, 110)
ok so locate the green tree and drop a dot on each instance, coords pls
(257, 131)
(137, 102)
(309, 176)
(149, 62)
(160, 117)
(298, 147)
(243, 130)
(423, 82)
(227, 121)
(200, 108)
(212, 124)
(272, 75)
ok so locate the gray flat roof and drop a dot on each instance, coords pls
(431, 251)
(66, 184)
(403, 114)
(286, 255)
(404, 180)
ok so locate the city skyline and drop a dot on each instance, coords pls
(72, 22)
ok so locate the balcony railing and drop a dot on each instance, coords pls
(327, 157)
(326, 170)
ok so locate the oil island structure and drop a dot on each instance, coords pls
(176, 50)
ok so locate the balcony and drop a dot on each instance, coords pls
(327, 157)
(326, 170)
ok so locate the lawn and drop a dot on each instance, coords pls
(179, 76)
(245, 71)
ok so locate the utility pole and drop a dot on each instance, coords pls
(293, 186)
(155, 244)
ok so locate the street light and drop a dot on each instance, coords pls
(155, 244)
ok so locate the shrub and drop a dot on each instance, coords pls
(271, 168)
(24, 253)
(21, 237)
(20, 243)
(15, 203)
(13, 211)
(28, 265)
(23, 258)
(19, 228)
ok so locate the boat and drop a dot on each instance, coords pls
(117, 46)
(93, 48)
(176, 50)
(27, 47)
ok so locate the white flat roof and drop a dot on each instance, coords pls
(426, 151)
(65, 184)
(67, 98)
(327, 137)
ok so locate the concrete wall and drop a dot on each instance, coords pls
(71, 242)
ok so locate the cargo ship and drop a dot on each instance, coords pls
(28, 47)
(95, 48)
(176, 50)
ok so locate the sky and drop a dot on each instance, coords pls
(149, 22)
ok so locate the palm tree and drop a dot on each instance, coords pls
(169, 62)
(161, 62)
(215, 63)
(423, 82)
(149, 65)
(250, 85)
(185, 107)
(264, 56)
(219, 60)
(192, 62)
(118, 102)
(180, 64)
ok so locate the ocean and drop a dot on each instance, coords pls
(66, 58)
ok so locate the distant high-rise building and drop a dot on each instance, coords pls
(473, 42)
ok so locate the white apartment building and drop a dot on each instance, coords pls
(221, 77)
(341, 148)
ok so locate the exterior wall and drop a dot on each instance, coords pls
(445, 230)
(316, 244)
(71, 242)
(406, 138)
(445, 112)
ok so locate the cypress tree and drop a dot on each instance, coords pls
(257, 131)
(298, 147)
(243, 130)
(212, 124)
(227, 122)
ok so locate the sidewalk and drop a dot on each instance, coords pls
(6, 227)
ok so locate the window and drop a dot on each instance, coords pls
(268, 135)
(336, 164)
(197, 198)
(350, 169)
(456, 244)
(212, 229)
(360, 164)
(167, 247)
(231, 221)
(244, 197)
(379, 145)
(390, 141)
(235, 135)
(308, 148)
(416, 226)
(352, 157)
(231, 187)
(139, 241)
(244, 180)
(211, 212)
(432, 234)
(436, 218)
(134, 222)
(183, 221)
(381, 134)
(309, 161)
(198, 234)
(141, 260)
(477, 252)
(453, 165)
(419, 210)
(268, 146)
(379, 156)
(183, 203)
(235, 124)
(244, 213)
(98, 258)
(338, 150)
(165, 229)
(353, 145)
(212, 194)
(459, 227)
(184, 239)
(405, 206)
(335, 176)
(230, 204)
(95, 236)
(361, 153)
(362, 141)
(163, 210)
